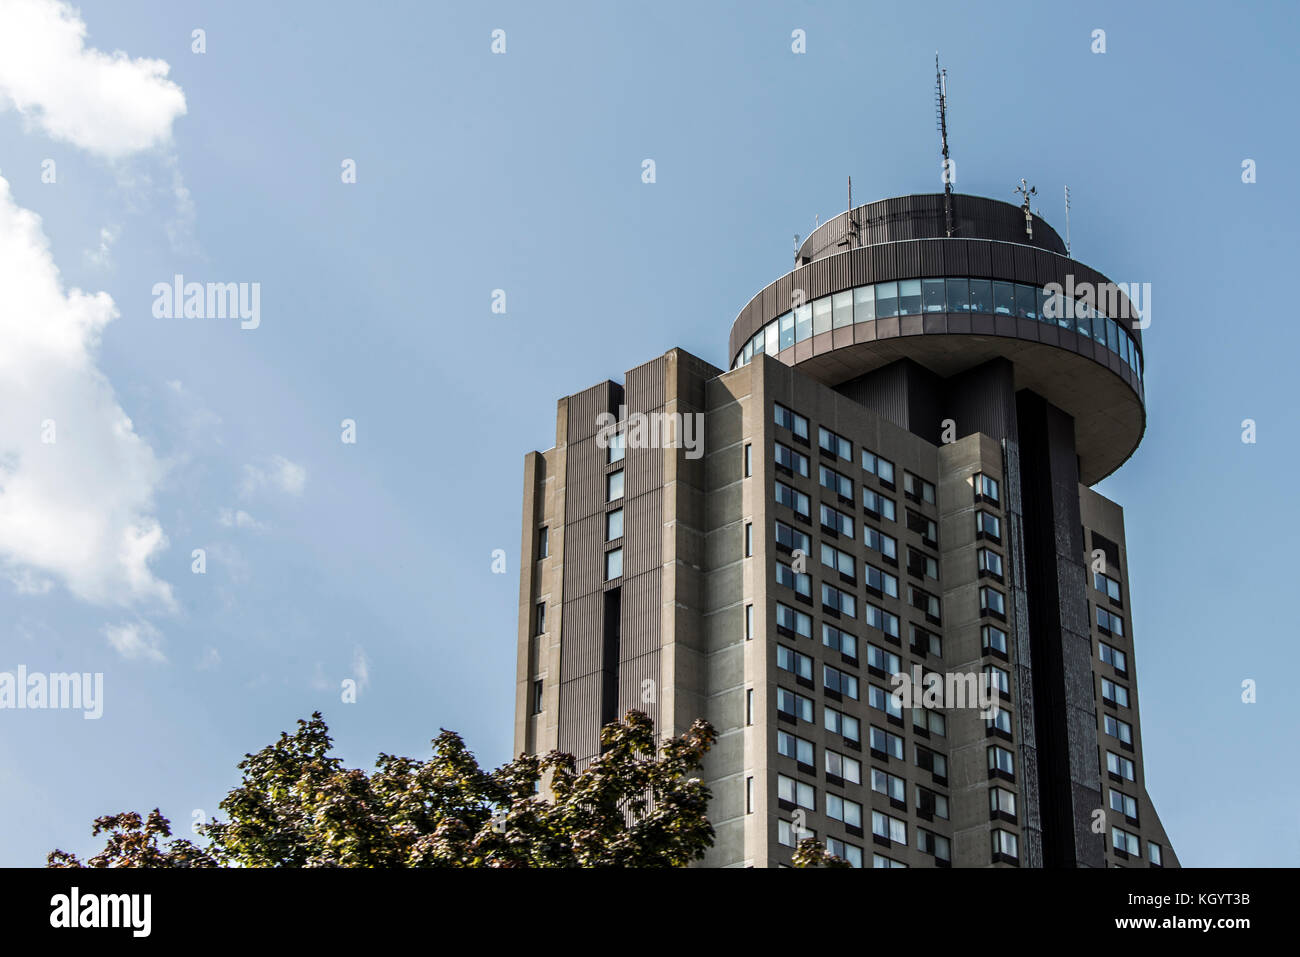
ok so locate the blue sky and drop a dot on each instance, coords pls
(475, 171)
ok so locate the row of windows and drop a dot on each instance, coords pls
(915, 297)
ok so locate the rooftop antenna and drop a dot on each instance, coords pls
(851, 235)
(796, 249)
(941, 97)
(1067, 220)
(1026, 191)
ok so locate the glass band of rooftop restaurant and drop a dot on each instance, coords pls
(916, 297)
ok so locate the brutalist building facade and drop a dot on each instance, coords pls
(892, 477)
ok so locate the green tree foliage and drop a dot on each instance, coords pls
(638, 804)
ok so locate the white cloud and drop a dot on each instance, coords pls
(102, 258)
(279, 474)
(78, 508)
(137, 639)
(238, 518)
(111, 105)
(361, 668)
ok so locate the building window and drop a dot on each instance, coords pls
(990, 563)
(878, 541)
(835, 444)
(882, 469)
(879, 861)
(882, 661)
(845, 852)
(917, 489)
(833, 520)
(890, 785)
(923, 642)
(1006, 846)
(888, 827)
(882, 700)
(988, 526)
(800, 665)
(986, 488)
(1001, 761)
(543, 543)
(841, 641)
(878, 505)
(993, 640)
(842, 766)
(793, 421)
(1120, 766)
(1124, 804)
(842, 724)
(1002, 802)
(796, 792)
(1108, 623)
(749, 794)
(1114, 694)
(1001, 721)
(1119, 730)
(927, 842)
(923, 601)
(791, 622)
(801, 582)
(925, 527)
(881, 619)
(537, 696)
(790, 461)
(934, 762)
(839, 601)
(794, 705)
(921, 565)
(792, 746)
(1107, 585)
(617, 448)
(1122, 840)
(539, 620)
(1112, 656)
(843, 810)
(995, 677)
(749, 459)
(749, 706)
(840, 682)
(613, 564)
(785, 833)
(749, 539)
(841, 485)
(792, 499)
(879, 581)
(1155, 854)
(749, 622)
(613, 525)
(992, 602)
(927, 720)
(791, 538)
(614, 486)
(841, 562)
(886, 743)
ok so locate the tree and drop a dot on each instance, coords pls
(638, 804)
(812, 853)
(134, 843)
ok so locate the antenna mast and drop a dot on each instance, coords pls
(941, 97)
(1067, 220)
(1026, 190)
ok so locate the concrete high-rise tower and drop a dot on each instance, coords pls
(894, 476)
